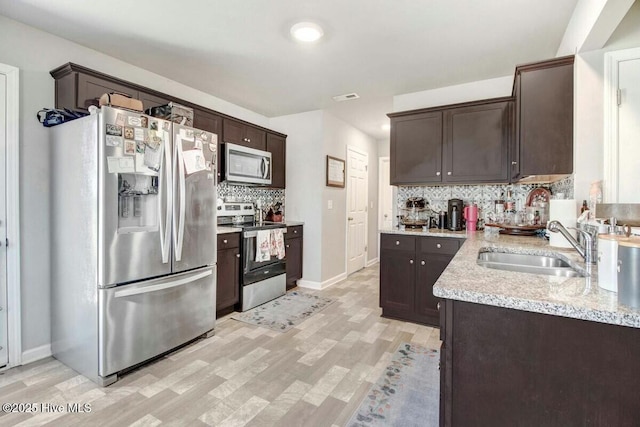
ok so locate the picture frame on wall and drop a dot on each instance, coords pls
(335, 172)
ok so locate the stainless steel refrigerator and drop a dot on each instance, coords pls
(133, 244)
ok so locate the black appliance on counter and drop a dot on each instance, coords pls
(455, 214)
(260, 281)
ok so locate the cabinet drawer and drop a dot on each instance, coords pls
(293, 232)
(398, 241)
(439, 245)
(228, 240)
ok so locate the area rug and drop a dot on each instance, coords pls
(407, 393)
(285, 312)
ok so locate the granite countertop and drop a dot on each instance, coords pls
(576, 297)
(433, 232)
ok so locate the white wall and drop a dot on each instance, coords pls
(474, 91)
(589, 103)
(311, 137)
(36, 53)
(384, 147)
(337, 135)
(305, 178)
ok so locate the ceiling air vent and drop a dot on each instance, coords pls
(346, 97)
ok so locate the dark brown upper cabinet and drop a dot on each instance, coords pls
(244, 134)
(461, 143)
(544, 119)
(78, 87)
(210, 122)
(276, 145)
(476, 142)
(416, 148)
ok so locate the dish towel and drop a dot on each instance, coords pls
(277, 243)
(263, 245)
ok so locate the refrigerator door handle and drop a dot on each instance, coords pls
(165, 227)
(179, 234)
(162, 286)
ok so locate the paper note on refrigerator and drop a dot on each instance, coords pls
(121, 165)
(194, 161)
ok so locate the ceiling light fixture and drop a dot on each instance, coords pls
(306, 32)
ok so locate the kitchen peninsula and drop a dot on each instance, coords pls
(530, 349)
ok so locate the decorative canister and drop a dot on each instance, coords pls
(608, 261)
(629, 272)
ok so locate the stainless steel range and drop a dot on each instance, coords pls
(262, 278)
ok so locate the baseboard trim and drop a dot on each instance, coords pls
(36, 354)
(321, 285)
(371, 262)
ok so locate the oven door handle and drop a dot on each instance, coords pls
(251, 234)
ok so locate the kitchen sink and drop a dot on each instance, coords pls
(528, 263)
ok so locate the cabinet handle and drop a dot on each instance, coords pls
(514, 163)
(422, 263)
(449, 173)
(295, 231)
(397, 242)
(438, 306)
(438, 245)
(225, 241)
(237, 255)
(410, 261)
(437, 173)
(286, 246)
(248, 139)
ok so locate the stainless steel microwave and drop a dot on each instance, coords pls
(244, 165)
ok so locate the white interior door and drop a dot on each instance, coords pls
(357, 184)
(629, 131)
(4, 355)
(385, 195)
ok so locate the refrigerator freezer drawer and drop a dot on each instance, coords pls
(142, 320)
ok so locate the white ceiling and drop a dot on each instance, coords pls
(241, 51)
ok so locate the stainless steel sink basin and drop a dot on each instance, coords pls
(526, 263)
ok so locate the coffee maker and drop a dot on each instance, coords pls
(455, 214)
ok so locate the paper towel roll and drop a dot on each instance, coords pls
(565, 211)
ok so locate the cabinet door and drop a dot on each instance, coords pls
(416, 148)
(232, 132)
(211, 123)
(476, 147)
(276, 145)
(255, 138)
(514, 145)
(429, 268)
(546, 121)
(293, 248)
(150, 101)
(228, 279)
(397, 277)
(90, 89)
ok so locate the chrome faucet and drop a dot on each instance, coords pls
(585, 252)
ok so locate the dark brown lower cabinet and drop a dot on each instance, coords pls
(228, 274)
(506, 367)
(293, 249)
(409, 267)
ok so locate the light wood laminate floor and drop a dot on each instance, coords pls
(316, 374)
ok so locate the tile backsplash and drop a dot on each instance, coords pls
(243, 193)
(483, 195)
